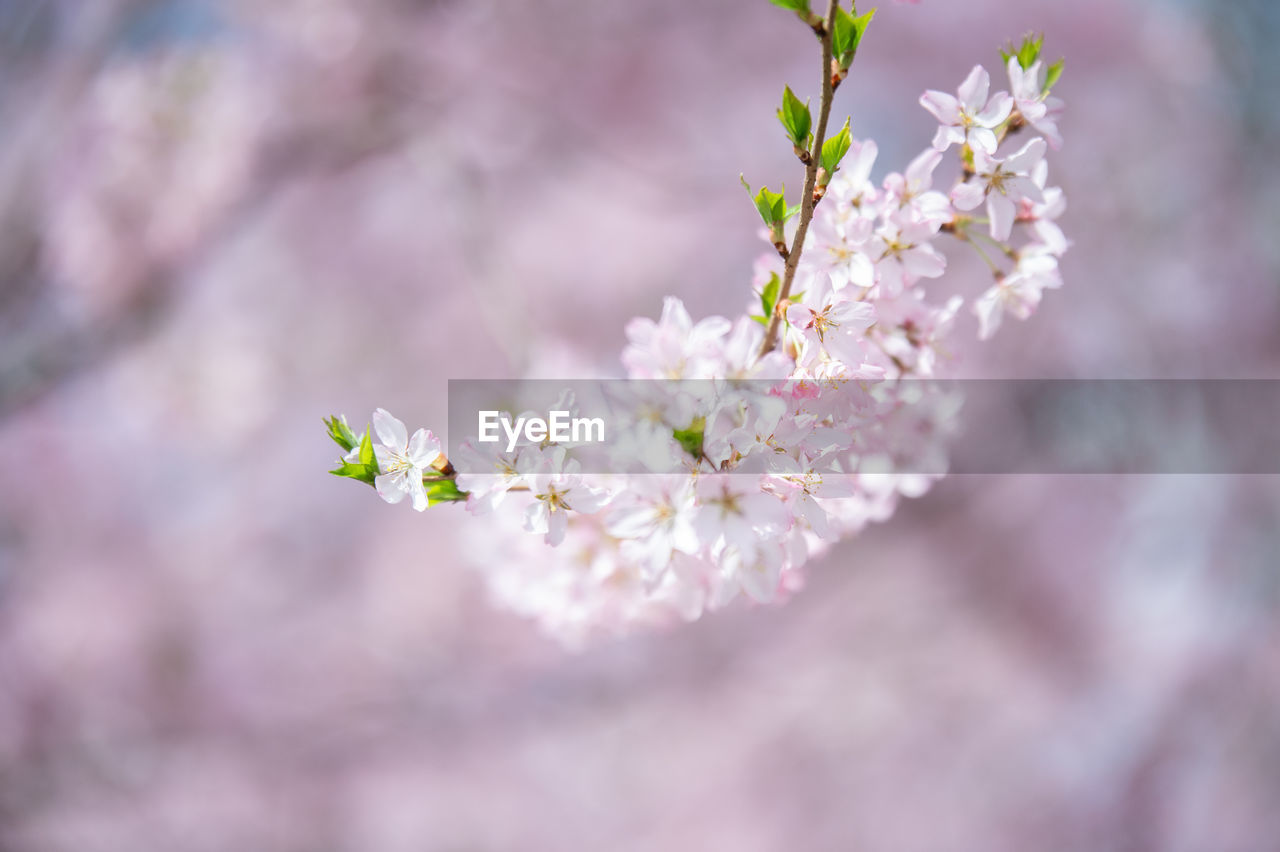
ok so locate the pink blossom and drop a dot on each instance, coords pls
(968, 117)
(673, 347)
(1003, 183)
(402, 460)
(1040, 109)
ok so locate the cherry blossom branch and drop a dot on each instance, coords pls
(807, 200)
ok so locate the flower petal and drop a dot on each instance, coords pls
(996, 110)
(1025, 158)
(389, 487)
(944, 107)
(424, 448)
(1002, 212)
(390, 431)
(973, 91)
(968, 195)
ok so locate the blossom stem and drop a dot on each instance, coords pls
(807, 200)
(961, 232)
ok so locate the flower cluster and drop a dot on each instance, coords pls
(748, 454)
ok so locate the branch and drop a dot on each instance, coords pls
(807, 201)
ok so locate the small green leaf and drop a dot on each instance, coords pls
(834, 149)
(362, 472)
(796, 118)
(793, 5)
(367, 456)
(1027, 52)
(860, 24)
(843, 33)
(341, 433)
(769, 295)
(847, 34)
(691, 438)
(770, 206)
(443, 491)
(1030, 51)
(1051, 76)
(780, 212)
(762, 320)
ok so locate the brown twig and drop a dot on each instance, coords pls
(807, 200)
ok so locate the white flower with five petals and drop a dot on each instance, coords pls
(968, 117)
(1003, 183)
(402, 460)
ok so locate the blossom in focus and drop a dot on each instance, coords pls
(968, 117)
(402, 460)
(835, 329)
(904, 253)
(1003, 183)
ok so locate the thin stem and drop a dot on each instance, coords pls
(961, 233)
(807, 202)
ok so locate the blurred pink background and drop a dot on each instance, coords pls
(223, 221)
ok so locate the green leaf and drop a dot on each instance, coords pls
(443, 491)
(366, 451)
(796, 118)
(1030, 51)
(770, 205)
(691, 438)
(780, 211)
(762, 320)
(860, 24)
(1051, 76)
(793, 5)
(362, 472)
(843, 33)
(834, 149)
(769, 295)
(847, 34)
(341, 433)
(1027, 52)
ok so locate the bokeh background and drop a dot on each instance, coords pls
(220, 222)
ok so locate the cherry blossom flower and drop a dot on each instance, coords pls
(839, 246)
(1040, 109)
(656, 516)
(968, 117)
(487, 473)
(738, 519)
(402, 460)
(559, 488)
(904, 253)
(1041, 215)
(1003, 183)
(673, 347)
(1018, 292)
(913, 195)
(833, 329)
